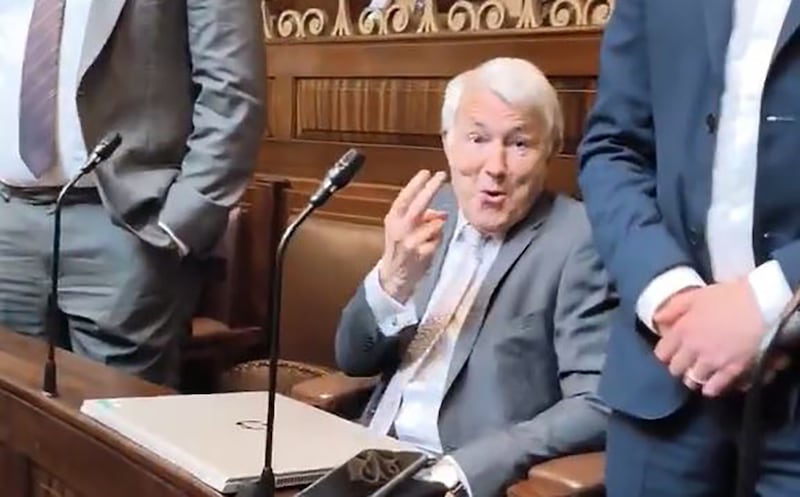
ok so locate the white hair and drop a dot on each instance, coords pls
(516, 82)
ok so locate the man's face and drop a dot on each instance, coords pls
(497, 157)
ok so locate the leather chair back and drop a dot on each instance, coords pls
(325, 262)
(217, 296)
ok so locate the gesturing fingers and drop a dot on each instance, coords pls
(428, 232)
(409, 192)
(431, 214)
(420, 203)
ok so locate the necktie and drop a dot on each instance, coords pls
(432, 327)
(38, 104)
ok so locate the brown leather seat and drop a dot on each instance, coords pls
(213, 343)
(325, 263)
(228, 326)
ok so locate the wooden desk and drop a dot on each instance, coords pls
(49, 449)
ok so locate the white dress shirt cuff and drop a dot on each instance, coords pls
(664, 286)
(182, 248)
(391, 315)
(449, 473)
(771, 290)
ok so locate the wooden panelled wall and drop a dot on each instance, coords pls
(383, 95)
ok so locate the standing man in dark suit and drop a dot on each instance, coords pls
(182, 81)
(488, 311)
(688, 169)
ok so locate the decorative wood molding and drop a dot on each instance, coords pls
(422, 18)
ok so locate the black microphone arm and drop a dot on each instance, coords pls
(53, 321)
(750, 434)
(337, 178)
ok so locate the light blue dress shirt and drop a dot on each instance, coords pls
(15, 17)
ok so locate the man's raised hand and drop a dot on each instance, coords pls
(412, 232)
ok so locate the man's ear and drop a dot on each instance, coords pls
(445, 143)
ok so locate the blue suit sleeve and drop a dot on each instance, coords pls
(617, 161)
(789, 259)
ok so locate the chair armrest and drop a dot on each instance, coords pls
(335, 392)
(579, 475)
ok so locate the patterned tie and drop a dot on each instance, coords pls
(38, 105)
(431, 329)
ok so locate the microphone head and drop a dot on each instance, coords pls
(346, 168)
(338, 176)
(107, 146)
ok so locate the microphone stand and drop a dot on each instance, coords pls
(336, 178)
(53, 318)
(265, 486)
(749, 436)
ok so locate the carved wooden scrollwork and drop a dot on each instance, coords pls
(404, 17)
(314, 22)
(492, 15)
(395, 19)
(566, 13)
(462, 16)
(598, 12)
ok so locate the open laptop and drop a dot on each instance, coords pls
(219, 438)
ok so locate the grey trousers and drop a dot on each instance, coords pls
(126, 303)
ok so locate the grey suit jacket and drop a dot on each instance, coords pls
(521, 384)
(183, 82)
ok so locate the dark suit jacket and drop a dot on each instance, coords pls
(646, 162)
(521, 383)
(183, 82)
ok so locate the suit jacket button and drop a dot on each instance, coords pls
(711, 123)
(693, 237)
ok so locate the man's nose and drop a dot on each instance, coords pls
(495, 164)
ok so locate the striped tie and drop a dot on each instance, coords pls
(38, 105)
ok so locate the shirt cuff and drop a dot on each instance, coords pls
(771, 290)
(391, 315)
(182, 248)
(664, 286)
(449, 473)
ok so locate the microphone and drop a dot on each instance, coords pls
(338, 176)
(335, 179)
(53, 317)
(107, 146)
(749, 436)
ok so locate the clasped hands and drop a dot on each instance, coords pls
(710, 336)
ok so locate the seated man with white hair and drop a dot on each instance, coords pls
(488, 312)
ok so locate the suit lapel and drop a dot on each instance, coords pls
(790, 26)
(103, 16)
(423, 297)
(517, 241)
(718, 16)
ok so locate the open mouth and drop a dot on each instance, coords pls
(492, 196)
(493, 193)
